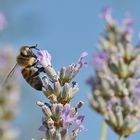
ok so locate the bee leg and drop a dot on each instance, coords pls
(38, 72)
(36, 64)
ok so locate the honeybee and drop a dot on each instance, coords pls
(28, 64)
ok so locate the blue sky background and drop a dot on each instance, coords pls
(65, 28)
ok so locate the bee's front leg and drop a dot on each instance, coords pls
(37, 72)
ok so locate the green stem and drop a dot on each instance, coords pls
(104, 131)
(121, 138)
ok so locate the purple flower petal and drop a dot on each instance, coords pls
(42, 128)
(67, 117)
(109, 104)
(79, 120)
(79, 124)
(100, 58)
(137, 90)
(43, 119)
(106, 13)
(128, 25)
(44, 58)
(81, 60)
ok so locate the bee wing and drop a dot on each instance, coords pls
(12, 75)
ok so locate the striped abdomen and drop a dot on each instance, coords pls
(35, 81)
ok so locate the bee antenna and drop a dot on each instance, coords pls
(34, 47)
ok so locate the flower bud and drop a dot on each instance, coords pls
(64, 134)
(45, 80)
(119, 116)
(66, 91)
(51, 133)
(50, 123)
(123, 69)
(57, 88)
(51, 73)
(62, 74)
(39, 103)
(73, 91)
(47, 90)
(47, 111)
(58, 136)
(80, 104)
(113, 67)
(111, 118)
(94, 104)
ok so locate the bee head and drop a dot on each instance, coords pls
(25, 51)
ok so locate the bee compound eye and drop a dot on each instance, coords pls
(24, 52)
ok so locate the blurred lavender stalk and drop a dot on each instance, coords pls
(59, 115)
(9, 95)
(116, 85)
(3, 21)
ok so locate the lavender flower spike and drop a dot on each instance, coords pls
(44, 58)
(116, 86)
(60, 116)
